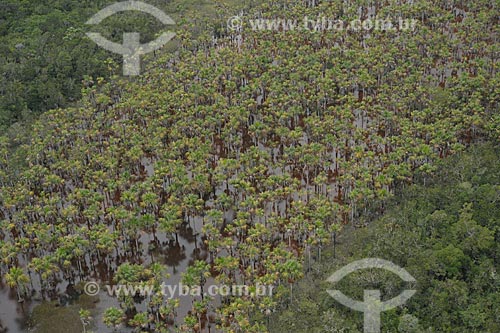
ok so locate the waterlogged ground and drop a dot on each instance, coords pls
(51, 316)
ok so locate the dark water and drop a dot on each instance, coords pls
(13, 315)
(16, 317)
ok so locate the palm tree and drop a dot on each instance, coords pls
(46, 268)
(85, 318)
(140, 321)
(113, 318)
(16, 278)
(171, 219)
(291, 270)
(196, 275)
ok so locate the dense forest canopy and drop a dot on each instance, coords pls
(445, 233)
(45, 55)
(245, 153)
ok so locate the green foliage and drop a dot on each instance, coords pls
(113, 317)
(258, 149)
(442, 235)
(45, 54)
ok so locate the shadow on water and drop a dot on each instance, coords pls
(59, 313)
(13, 315)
